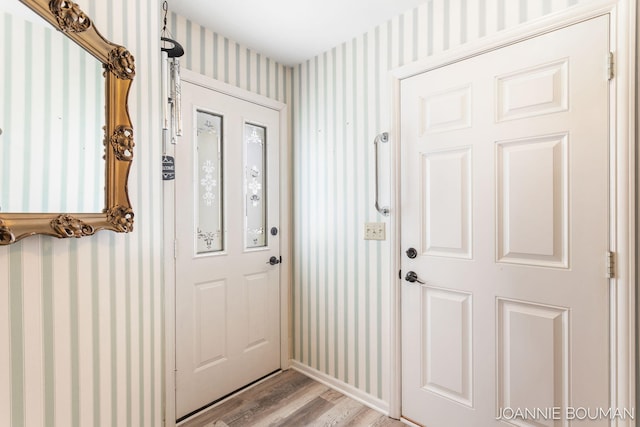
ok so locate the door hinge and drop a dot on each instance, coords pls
(611, 265)
(610, 66)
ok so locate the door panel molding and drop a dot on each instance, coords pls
(169, 239)
(623, 167)
(515, 320)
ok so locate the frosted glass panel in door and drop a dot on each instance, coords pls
(255, 186)
(209, 205)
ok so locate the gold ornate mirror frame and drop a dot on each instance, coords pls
(119, 70)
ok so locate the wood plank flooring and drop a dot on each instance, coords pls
(290, 399)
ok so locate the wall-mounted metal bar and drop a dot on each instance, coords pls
(381, 138)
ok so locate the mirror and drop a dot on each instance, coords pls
(51, 117)
(66, 139)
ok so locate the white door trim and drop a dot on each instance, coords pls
(623, 189)
(169, 400)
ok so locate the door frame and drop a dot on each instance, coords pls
(169, 368)
(623, 168)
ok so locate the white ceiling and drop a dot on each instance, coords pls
(290, 31)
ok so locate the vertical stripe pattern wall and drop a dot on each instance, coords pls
(81, 321)
(222, 59)
(341, 102)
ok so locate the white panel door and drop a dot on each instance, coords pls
(505, 200)
(227, 290)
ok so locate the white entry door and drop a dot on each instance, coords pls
(228, 246)
(505, 199)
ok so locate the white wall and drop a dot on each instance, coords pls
(81, 321)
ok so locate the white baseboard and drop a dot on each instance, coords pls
(344, 388)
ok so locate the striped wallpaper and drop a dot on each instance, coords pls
(81, 321)
(339, 101)
(220, 58)
(81, 336)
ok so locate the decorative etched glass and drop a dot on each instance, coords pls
(255, 186)
(208, 155)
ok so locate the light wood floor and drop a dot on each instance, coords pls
(290, 399)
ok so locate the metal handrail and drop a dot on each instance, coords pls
(381, 138)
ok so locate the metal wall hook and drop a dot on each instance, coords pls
(381, 138)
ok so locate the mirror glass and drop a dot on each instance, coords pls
(52, 113)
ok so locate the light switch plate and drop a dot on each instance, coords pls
(374, 231)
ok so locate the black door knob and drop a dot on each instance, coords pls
(412, 253)
(412, 277)
(274, 260)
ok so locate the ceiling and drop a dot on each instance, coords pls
(290, 31)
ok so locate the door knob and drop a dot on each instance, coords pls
(412, 277)
(274, 260)
(412, 253)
